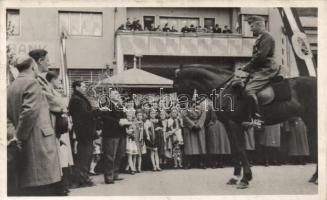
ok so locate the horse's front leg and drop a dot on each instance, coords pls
(236, 137)
(247, 173)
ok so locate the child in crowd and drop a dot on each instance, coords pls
(138, 126)
(175, 127)
(131, 147)
(161, 129)
(152, 140)
(97, 144)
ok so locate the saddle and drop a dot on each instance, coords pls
(277, 90)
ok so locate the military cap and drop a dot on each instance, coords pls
(255, 18)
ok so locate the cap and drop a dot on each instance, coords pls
(23, 62)
(255, 18)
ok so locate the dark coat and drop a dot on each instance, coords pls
(110, 120)
(84, 118)
(28, 111)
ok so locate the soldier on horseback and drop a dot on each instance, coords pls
(261, 67)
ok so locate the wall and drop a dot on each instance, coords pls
(39, 29)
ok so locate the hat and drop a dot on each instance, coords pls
(255, 18)
(23, 62)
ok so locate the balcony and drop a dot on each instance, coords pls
(183, 44)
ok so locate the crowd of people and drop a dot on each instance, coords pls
(136, 26)
(55, 144)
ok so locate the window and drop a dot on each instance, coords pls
(178, 22)
(13, 22)
(209, 22)
(148, 20)
(80, 23)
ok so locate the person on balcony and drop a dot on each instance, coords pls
(226, 29)
(173, 29)
(192, 28)
(128, 24)
(166, 28)
(217, 29)
(185, 29)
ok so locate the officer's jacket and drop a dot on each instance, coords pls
(263, 52)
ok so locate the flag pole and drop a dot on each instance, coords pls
(63, 67)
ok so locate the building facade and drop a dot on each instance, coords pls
(94, 46)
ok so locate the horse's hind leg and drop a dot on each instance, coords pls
(314, 178)
(311, 124)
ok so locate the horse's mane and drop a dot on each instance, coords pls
(210, 68)
(203, 77)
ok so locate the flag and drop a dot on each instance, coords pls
(299, 42)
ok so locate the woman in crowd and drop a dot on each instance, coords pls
(298, 145)
(194, 135)
(216, 138)
(152, 142)
(131, 147)
(139, 139)
(65, 156)
(270, 142)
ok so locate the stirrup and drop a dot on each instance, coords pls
(254, 123)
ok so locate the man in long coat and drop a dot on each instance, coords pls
(84, 125)
(262, 66)
(28, 110)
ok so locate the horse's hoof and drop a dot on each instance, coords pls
(248, 176)
(232, 181)
(313, 179)
(242, 185)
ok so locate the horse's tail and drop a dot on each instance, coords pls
(306, 89)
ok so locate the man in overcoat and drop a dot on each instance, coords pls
(84, 125)
(113, 137)
(28, 111)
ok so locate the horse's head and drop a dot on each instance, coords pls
(203, 78)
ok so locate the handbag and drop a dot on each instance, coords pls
(61, 124)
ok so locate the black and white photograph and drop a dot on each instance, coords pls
(165, 100)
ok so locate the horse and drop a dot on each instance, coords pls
(295, 97)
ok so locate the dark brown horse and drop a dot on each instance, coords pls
(232, 108)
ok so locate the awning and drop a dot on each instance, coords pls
(137, 78)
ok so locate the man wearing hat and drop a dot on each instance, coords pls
(261, 67)
(28, 111)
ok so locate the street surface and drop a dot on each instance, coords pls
(286, 179)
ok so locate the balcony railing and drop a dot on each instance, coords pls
(183, 44)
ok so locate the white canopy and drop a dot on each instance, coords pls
(137, 78)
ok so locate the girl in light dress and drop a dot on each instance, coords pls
(174, 130)
(152, 141)
(131, 147)
(138, 126)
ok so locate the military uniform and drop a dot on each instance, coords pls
(262, 66)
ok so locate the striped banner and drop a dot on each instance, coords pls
(299, 42)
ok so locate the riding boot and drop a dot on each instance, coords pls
(256, 116)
